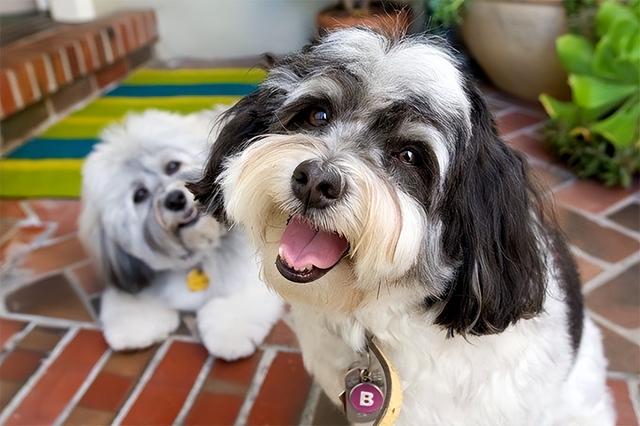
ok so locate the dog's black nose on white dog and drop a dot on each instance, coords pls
(175, 200)
(316, 186)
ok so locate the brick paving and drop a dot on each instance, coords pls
(56, 368)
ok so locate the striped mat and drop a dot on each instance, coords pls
(49, 165)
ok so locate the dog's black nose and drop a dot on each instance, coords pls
(316, 186)
(175, 200)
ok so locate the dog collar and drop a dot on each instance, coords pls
(373, 393)
(197, 280)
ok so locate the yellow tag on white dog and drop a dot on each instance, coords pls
(197, 280)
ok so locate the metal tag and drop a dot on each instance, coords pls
(365, 391)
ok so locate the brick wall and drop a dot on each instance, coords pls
(44, 75)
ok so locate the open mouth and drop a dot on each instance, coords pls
(307, 253)
(190, 218)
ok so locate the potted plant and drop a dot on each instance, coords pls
(384, 16)
(598, 132)
(514, 43)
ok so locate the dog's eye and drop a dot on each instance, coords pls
(409, 156)
(140, 195)
(171, 167)
(318, 117)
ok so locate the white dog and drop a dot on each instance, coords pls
(157, 253)
(370, 176)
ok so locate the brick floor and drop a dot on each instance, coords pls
(55, 367)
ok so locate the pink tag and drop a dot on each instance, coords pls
(366, 398)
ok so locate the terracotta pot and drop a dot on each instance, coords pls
(388, 18)
(514, 43)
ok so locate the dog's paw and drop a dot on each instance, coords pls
(228, 330)
(140, 333)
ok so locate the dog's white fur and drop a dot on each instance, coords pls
(236, 311)
(525, 375)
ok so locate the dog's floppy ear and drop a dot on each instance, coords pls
(126, 272)
(115, 265)
(250, 117)
(491, 232)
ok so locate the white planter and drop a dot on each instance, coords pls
(72, 11)
(514, 43)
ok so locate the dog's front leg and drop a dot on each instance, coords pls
(232, 327)
(135, 321)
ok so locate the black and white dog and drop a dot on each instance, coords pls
(158, 254)
(370, 176)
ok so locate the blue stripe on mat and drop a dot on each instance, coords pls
(222, 89)
(40, 148)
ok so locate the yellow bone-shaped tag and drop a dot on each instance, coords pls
(197, 280)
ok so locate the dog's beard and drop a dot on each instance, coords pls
(382, 225)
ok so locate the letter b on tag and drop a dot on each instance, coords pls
(366, 398)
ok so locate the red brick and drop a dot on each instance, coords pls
(163, 396)
(592, 196)
(123, 29)
(11, 209)
(20, 364)
(619, 299)
(102, 55)
(238, 372)
(533, 147)
(211, 409)
(107, 392)
(88, 278)
(58, 67)
(513, 121)
(7, 101)
(624, 408)
(547, 177)
(283, 394)
(138, 31)
(55, 256)
(281, 334)
(88, 48)
(52, 296)
(622, 354)
(64, 213)
(57, 386)
(42, 77)
(587, 269)
(74, 63)
(24, 84)
(599, 241)
(112, 73)
(8, 328)
(223, 392)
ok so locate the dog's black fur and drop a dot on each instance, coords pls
(493, 219)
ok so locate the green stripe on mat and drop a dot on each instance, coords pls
(40, 178)
(196, 76)
(77, 127)
(118, 107)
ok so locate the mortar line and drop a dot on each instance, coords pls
(144, 379)
(97, 368)
(19, 397)
(194, 392)
(254, 389)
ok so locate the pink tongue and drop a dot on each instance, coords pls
(302, 245)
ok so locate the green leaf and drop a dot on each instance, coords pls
(609, 14)
(590, 92)
(575, 53)
(621, 128)
(607, 65)
(565, 112)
